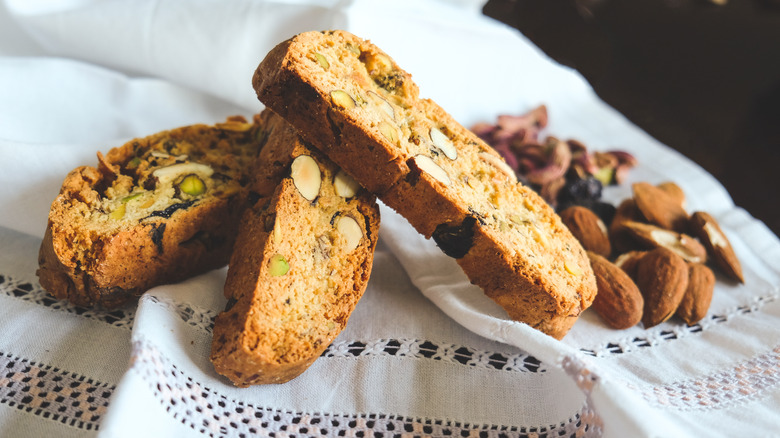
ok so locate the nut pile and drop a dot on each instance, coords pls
(653, 261)
(564, 173)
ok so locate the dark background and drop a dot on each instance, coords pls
(701, 76)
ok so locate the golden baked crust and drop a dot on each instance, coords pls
(351, 100)
(156, 210)
(299, 265)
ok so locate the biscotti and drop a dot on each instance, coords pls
(353, 102)
(155, 210)
(301, 262)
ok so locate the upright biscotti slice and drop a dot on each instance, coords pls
(352, 101)
(301, 262)
(155, 210)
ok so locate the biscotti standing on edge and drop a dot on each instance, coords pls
(301, 262)
(352, 101)
(156, 210)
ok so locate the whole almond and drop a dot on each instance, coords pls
(707, 229)
(619, 236)
(662, 277)
(652, 236)
(674, 191)
(698, 296)
(588, 228)
(618, 300)
(659, 208)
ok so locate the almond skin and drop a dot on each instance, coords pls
(707, 229)
(619, 236)
(588, 228)
(662, 276)
(660, 208)
(698, 295)
(618, 302)
(674, 191)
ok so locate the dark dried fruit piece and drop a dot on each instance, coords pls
(455, 240)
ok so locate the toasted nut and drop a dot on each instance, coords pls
(306, 176)
(426, 164)
(698, 295)
(174, 170)
(192, 185)
(662, 277)
(618, 301)
(322, 60)
(707, 229)
(389, 131)
(674, 191)
(586, 226)
(499, 164)
(386, 106)
(344, 185)
(659, 208)
(342, 100)
(682, 244)
(444, 144)
(349, 228)
(620, 237)
(278, 266)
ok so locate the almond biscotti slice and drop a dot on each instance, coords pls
(156, 210)
(301, 262)
(351, 100)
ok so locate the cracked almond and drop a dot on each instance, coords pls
(707, 229)
(681, 244)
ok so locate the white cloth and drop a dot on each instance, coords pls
(425, 352)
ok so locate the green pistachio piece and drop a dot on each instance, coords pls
(119, 213)
(132, 164)
(129, 198)
(278, 266)
(192, 185)
(322, 60)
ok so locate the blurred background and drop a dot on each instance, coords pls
(701, 76)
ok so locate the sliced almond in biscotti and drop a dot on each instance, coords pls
(698, 295)
(618, 301)
(662, 276)
(706, 228)
(682, 244)
(588, 228)
(659, 208)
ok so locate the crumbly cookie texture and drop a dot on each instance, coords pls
(353, 102)
(301, 262)
(156, 210)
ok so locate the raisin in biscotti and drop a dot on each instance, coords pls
(155, 210)
(301, 262)
(352, 101)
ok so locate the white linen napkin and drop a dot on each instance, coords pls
(115, 70)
